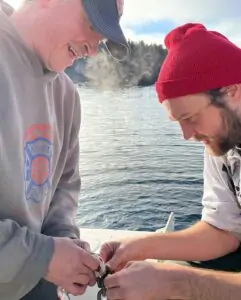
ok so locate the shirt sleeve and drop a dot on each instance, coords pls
(24, 259)
(220, 204)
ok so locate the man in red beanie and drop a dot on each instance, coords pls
(200, 87)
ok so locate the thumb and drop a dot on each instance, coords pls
(106, 252)
(116, 263)
(128, 264)
(110, 256)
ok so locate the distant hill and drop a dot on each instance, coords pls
(141, 68)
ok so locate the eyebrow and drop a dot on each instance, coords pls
(179, 118)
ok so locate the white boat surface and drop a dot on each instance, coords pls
(96, 237)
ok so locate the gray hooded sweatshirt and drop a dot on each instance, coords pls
(39, 153)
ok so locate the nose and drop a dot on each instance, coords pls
(187, 130)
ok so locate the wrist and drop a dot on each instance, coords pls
(152, 246)
(47, 275)
(180, 280)
(138, 248)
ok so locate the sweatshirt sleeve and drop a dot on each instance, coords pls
(220, 205)
(24, 259)
(60, 220)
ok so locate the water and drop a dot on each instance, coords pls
(135, 166)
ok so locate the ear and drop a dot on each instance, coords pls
(233, 93)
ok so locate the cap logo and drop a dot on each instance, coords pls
(120, 6)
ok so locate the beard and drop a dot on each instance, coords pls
(228, 137)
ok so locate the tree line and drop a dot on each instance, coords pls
(140, 68)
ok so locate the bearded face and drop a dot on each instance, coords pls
(210, 120)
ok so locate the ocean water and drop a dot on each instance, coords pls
(134, 164)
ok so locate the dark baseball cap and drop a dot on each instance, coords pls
(104, 16)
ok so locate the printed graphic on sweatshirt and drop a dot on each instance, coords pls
(38, 153)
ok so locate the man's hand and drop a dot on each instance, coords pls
(82, 244)
(146, 281)
(118, 253)
(71, 268)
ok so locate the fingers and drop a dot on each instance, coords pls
(82, 244)
(76, 289)
(113, 284)
(82, 279)
(85, 255)
(92, 280)
(80, 284)
(116, 266)
(106, 252)
(89, 273)
(112, 257)
(82, 269)
(117, 284)
(128, 264)
(114, 294)
(89, 260)
(112, 281)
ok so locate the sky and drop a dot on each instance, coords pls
(151, 20)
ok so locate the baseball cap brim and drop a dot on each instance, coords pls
(104, 17)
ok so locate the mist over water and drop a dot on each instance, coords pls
(141, 66)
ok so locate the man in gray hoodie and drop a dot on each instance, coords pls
(40, 248)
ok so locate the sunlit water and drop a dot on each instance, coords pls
(134, 164)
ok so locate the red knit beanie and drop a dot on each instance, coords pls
(198, 60)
